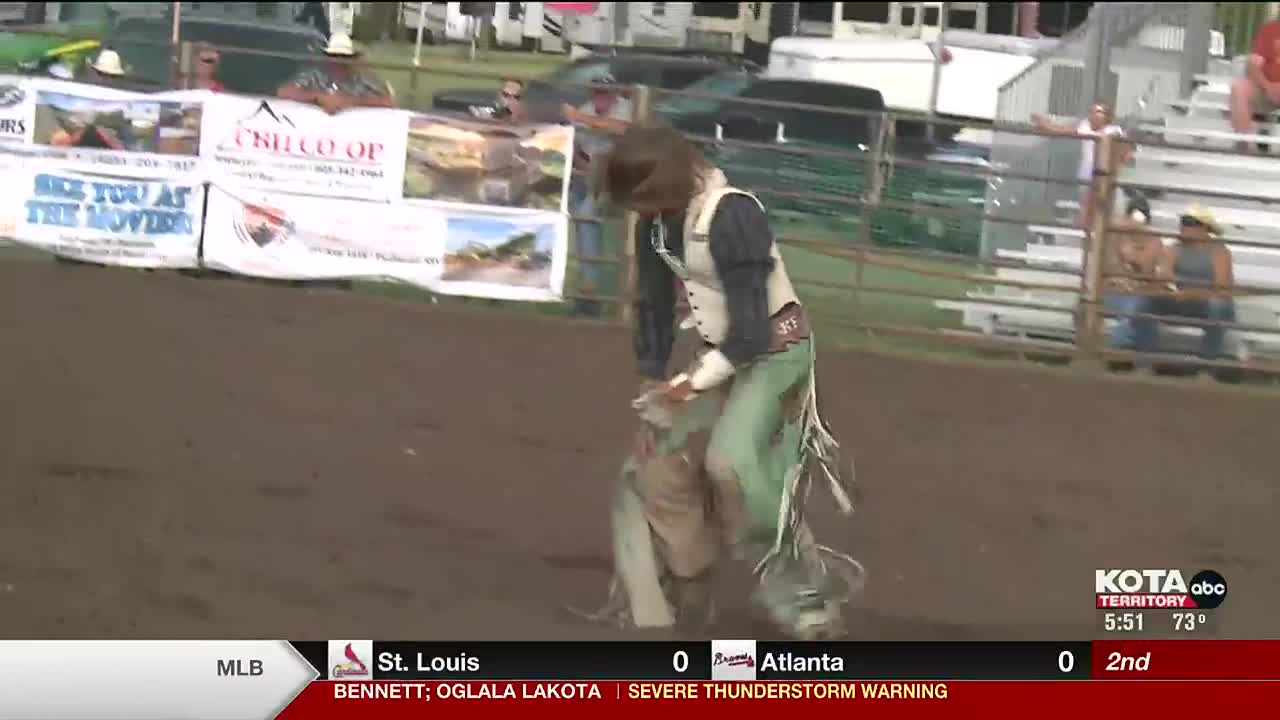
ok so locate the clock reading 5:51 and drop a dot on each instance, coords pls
(1122, 622)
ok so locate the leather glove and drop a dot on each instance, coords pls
(658, 403)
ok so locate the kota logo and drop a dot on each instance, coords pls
(1158, 588)
(353, 667)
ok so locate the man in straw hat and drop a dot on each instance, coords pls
(337, 85)
(728, 450)
(106, 69)
(1194, 280)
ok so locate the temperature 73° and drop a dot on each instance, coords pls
(1188, 621)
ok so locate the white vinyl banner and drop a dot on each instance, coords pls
(151, 223)
(503, 254)
(51, 123)
(454, 205)
(275, 235)
(15, 110)
(283, 146)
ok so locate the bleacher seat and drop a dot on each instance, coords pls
(1053, 255)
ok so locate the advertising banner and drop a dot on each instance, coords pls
(15, 121)
(73, 126)
(301, 237)
(15, 110)
(150, 223)
(504, 255)
(283, 146)
(454, 205)
(450, 159)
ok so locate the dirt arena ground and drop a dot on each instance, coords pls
(210, 458)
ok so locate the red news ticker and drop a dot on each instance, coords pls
(1041, 700)
(1186, 660)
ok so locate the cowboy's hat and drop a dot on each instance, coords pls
(340, 44)
(1200, 214)
(108, 63)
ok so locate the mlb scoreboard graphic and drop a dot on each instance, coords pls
(229, 680)
(1156, 622)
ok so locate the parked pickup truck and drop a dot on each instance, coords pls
(945, 173)
(143, 43)
(567, 84)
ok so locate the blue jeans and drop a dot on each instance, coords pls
(588, 238)
(1142, 334)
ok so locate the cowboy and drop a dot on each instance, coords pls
(106, 70)
(338, 84)
(1194, 279)
(724, 455)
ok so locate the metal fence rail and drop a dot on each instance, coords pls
(861, 244)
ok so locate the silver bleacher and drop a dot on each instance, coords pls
(1053, 255)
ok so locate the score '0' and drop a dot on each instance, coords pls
(680, 661)
(1066, 661)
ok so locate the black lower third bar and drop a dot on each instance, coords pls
(542, 660)
(922, 661)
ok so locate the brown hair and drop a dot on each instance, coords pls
(652, 168)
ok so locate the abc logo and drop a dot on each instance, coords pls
(1208, 589)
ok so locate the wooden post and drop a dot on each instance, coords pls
(879, 169)
(944, 11)
(187, 55)
(1090, 323)
(641, 101)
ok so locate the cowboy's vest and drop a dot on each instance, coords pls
(708, 309)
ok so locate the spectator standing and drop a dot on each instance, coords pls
(606, 115)
(338, 84)
(206, 71)
(1258, 92)
(1099, 122)
(509, 104)
(312, 13)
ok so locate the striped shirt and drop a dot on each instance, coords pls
(323, 79)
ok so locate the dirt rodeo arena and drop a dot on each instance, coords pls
(190, 457)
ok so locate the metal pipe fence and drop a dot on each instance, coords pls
(877, 230)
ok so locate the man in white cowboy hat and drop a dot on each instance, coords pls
(337, 85)
(106, 69)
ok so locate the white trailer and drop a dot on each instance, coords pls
(721, 26)
(843, 20)
(630, 24)
(12, 12)
(659, 24)
(508, 24)
(444, 22)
